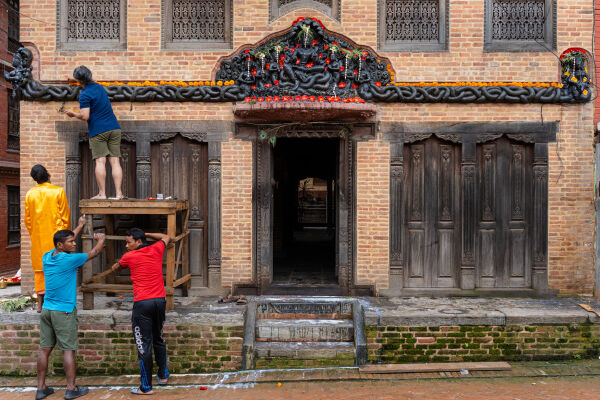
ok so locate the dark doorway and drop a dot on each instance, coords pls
(304, 236)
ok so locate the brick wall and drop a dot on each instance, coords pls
(397, 344)
(571, 226)
(108, 350)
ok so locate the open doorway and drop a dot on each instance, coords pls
(304, 237)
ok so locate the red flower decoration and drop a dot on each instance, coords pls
(268, 98)
(327, 61)
(261, 99)
(342, 68)
(336, 42)
(282, 57)
(314, 42)
(310, 65)
(248, 58)
(253, 72)
(321, 98)
(275, 98)
(378, 84)
(304, 97)
(312, 98)
(297, 61)
(354, 86)
(297, 20)
(355, 72)
(246, 51)
(254, 97)
(298, 98)
(342, 84)
(320, 55)
(268, 85)
(325, 46)
(253, 87)
(268, 65)
(365, 53)
(247, 99)
(325, 68)
(276, 83)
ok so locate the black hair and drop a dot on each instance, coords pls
(39, 173)
(137, 233)
(61, 236)
(83, 74)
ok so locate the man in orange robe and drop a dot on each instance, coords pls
(46, 212)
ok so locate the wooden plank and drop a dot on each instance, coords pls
(86, 271)
(589, 308)
(107, 237)
(115, 288)
(171, 231)
(128, 210)
(181, 280)
(99, 277)
(180, 236)
(434, 367)
(135, 203)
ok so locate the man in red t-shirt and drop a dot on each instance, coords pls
(148, 315)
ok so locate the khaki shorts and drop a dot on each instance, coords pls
(106, 144)
(58, 328)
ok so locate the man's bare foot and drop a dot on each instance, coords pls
(99, 197)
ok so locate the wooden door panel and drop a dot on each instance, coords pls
(505, 235)
(432, 210)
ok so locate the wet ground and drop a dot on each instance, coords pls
(566, 380)
(550, 388)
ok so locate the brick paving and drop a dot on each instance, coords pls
(556, 388)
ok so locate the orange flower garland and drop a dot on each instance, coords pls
(415, 84)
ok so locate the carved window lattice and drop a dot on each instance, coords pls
(199, 20)
(14, 211)
(13, 26)
(518, 19)
(14, 115)
(94, 20)
(412, 20)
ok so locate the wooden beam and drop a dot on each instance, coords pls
(181, 280)
(98, 277)
(434, 367)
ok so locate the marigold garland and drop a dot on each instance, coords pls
(409, 84)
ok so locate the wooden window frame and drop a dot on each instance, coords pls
(13, 237)
(64, 44)
(414, 45)
(167, 31)
(547, 45)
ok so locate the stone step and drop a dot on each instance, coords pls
(304, 307)
(305, 350)
(304, 330)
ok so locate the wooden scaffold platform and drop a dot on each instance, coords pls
(176, 252)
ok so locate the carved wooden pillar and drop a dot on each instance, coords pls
(540, 218)
(143, 182)
(469, 216)
(396, 187)
(214, 215)
(345, 201)
(263, 198)
(73, 176)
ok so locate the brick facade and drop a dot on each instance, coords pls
(571, 225)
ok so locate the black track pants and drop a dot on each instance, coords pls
(147, 320)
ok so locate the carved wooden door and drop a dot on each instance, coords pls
(505, 214)
(180, 169)
(431, 222)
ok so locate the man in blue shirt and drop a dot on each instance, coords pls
(58, 320)
(104, 130)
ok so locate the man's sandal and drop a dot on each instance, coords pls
(162, 382)
(138, 390)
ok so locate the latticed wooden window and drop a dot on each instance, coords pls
(14, 211)
(13, 25)
(91, 24)
(14, 115)
(413, 25)
(282, 7)
(197, 23)
(520, 25)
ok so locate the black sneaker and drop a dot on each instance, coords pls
(42, 394)
(78, 392)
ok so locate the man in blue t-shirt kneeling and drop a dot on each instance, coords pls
(104, 130)
(58, 320)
